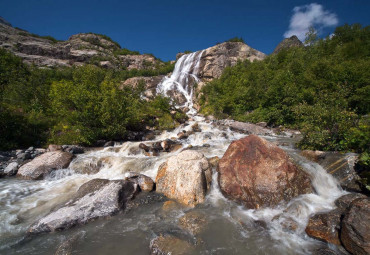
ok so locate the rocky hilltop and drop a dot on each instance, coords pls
(79, 49)
(287, 43)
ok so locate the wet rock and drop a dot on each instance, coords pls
(144, 147)
(149, 136)
(94, 199)
(24, 156)
(196, 128)
(167, 244)
(11, 169)
(66, 247)
(109, 143)
(214, 161)
(54, 147)
(74, 149)
(171, 206)
(355, 234)
(91, 165)
(313, 155)
(45, 164)
(247, 128)
(193, 221)
(144, 198)
(182, 135)
(345, 201)
(324, 251)
(257, 174)
(325, 226)
(185, 177)
(145, 183)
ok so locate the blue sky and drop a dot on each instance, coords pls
(166, 27)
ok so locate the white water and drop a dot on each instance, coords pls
(186, 68)
(23, 202)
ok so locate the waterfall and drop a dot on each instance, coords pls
(186, 71)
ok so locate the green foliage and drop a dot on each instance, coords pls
(125, 51)
(236, 39)
(322, 89)
(73, 105)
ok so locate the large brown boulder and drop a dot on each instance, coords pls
(257, 173)
(185, 177)
(45, 164)
(94, 199)
(355, 234)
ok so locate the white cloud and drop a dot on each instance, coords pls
(309, 15)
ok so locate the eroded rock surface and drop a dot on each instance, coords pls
(185, 177)
(94, 199)
(257, 173)
(45, 164)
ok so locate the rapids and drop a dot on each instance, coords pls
(231, 229)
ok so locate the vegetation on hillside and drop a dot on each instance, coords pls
(322, 89)
(73, 105)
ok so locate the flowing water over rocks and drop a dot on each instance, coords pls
(216, 226)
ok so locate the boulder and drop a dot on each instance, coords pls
(94, 199)
(145, 183)
(45, 164)
(185, 177)
(355, 234)
(11, 169)
(257, 173)
(54, 147)
(325, 226)
(247, 128)
(168, 244)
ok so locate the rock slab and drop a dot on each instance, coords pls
(94, 199)
(45, 164)
(257, 173)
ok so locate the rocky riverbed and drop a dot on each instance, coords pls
(186, 191)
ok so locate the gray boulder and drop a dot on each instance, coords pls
(11, 169)
(45, 164)
(94, 199)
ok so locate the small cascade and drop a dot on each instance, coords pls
(185, 73)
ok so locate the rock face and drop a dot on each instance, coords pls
(185, 177)
(45, 164)
(355, 233)
(257, 173)
(87, 48)
(94, 199)
(287, 43)
(329, 226)
(340, 166)
(215, 59)
(149, 83)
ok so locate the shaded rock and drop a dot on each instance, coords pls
(144, 147)
(74, 149)
(144, 198)
(66, 247)
(355, 234)
(24, 156)
(324, 251)
(325, 226)
(287, 43)
(45, 164)
(11, 169)
(94, 199)
(257, 174)
(167, 244)
(108, 144)
(182, 135)
(145, 183)
(193, 221)
(214, 161)
(185, 177)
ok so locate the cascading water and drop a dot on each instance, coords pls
(186, 68)
(231, 229)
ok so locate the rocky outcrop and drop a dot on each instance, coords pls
(79, 49)
(287, 43)
(94, 199)
(257, 173)
(215, 59)
(149, 84)
(340, 166)
(144, 182)
(355, 234)
(329, 226)
(185, 177)
(167, 244)
(45, 164)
